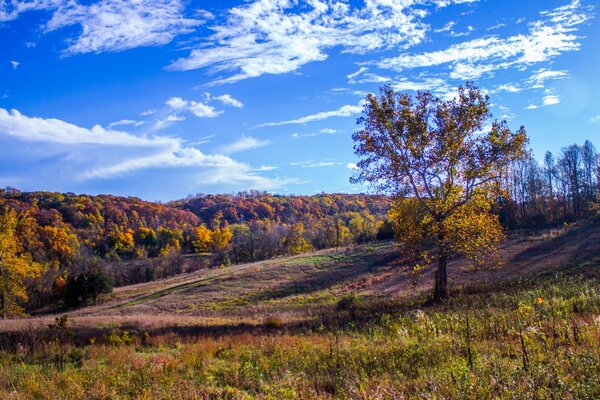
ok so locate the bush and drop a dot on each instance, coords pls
(86, 287)
(272, 323)
(349, 304)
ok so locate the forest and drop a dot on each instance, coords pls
(113, 240)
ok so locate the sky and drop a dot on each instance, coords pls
(161, 99)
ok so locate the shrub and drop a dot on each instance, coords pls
(272, 323)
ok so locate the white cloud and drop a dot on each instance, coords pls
(595, 118)
(466, 72)
(314, 164)
(280, 36)
(125, 122)
(200, 110)
(200, 140)
(362, 76)
(463, 33)
(352, 166)
(176, 102)
(117, 25)
(540, 76)
(328, 131)
(33, 129)
(228, 100)
(437, 86)
(266, 168)
(550, 100)
(508, 87)
(344, 111)
(244, 143)
(15, 64)
(445, 3)
(446, 28)
(12, 10)
(547, 100)
(546, 39)
(104, 153)
(168, 120)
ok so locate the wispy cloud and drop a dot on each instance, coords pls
(199, 109)
(595, 118)
(243, 144)
(540, 76)
(104, 153)
(117, 25)
(147, 112)
(446, 28)
(438, 86)
(12, 10)
(344, 111)
(15, 64)
(547, 38)
(315, 164)
(167, 121)
(228, 100)
(279, 36)
(362, 76)
(547, 100)
(507, 87)
(125, 122)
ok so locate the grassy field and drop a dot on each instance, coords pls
(347, 323)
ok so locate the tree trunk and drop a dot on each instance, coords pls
(3, 305)
(440, 292)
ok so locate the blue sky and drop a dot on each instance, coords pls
(164, 98)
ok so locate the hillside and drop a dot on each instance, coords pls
(129, 240)
(297, 290)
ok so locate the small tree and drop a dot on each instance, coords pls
(443, 171)
(86, 287)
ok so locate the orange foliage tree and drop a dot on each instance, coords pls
(432, 156)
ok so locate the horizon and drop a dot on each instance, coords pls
(162, 100)
(197, 195)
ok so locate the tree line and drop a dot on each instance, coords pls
(71, 248)
(562, 188)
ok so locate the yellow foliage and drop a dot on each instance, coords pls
(16, 266)
(294, 242)
(203, 239)
(470, 229)
(220, 238)
(122, 242)
(60, 244)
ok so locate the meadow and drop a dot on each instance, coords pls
(347, 333)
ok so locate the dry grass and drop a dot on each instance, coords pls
(298, 290)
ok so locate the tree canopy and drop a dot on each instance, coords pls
(442, 164)
(16, 265)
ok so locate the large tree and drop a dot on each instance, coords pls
(442, 164)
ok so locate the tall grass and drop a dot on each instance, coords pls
(523, 340)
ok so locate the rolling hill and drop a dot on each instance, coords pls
(297, 290)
